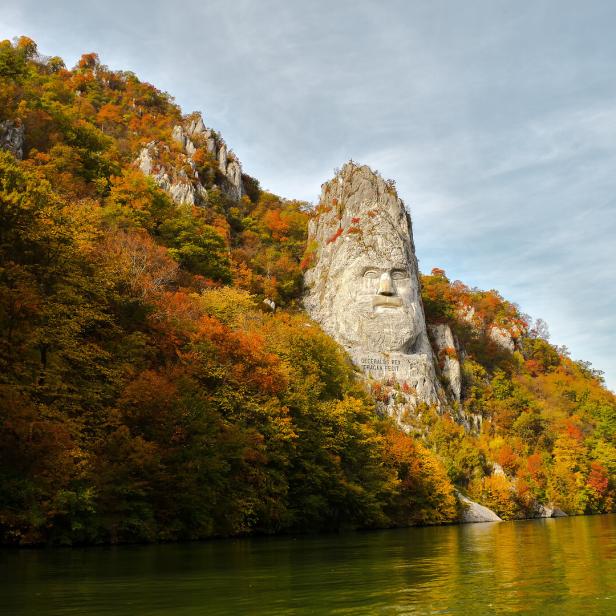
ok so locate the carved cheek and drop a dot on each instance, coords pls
(369, 285)
(404, 289)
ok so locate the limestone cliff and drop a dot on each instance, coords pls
(447, 355)
(203, 161)
(474, 512)
(363, 286)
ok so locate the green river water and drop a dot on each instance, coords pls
(561, 567)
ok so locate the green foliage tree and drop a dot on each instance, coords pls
(197, 246)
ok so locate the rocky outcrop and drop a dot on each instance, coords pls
(447, 355)
(503, 338)
(193, 134)
(181, 176)
(363, 284)
(195, 128)
(548, 511)
(474, 512)
(183, 184)
(12, 137)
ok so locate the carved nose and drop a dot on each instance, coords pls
(386, 286)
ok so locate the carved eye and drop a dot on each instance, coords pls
(371, 274)
(399, 275)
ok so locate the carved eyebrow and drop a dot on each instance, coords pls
(371, 268)
(399, 269)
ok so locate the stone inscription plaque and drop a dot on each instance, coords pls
(379, 364)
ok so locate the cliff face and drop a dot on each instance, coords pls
(202, 160)
(446, 349)
(363, 286)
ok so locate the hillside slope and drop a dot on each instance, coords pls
(146, 391)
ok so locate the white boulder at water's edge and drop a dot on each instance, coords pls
(474, 512)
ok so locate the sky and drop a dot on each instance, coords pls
(497, 120)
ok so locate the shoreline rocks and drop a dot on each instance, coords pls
(473, 512)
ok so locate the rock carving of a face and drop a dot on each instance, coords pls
(374, 302)
(363, 287)
(362, 281)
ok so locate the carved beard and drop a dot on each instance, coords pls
(384, 330)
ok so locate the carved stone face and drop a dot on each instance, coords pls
(374, 304)
(363, 287)
(362, 283)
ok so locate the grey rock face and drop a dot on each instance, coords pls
(194, 132)
(183, 183)
(363, 287)
(222, 158)
(146, 158)
(179, 136)
(195, 126)
(12, 137)
(446, 349)
(183, 186)
(503, 338)
(474, 512)
(270, 303)
(233, 173)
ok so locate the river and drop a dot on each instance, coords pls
(563, 566)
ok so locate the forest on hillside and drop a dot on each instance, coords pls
(148, 394)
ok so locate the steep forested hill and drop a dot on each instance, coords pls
(146, 391)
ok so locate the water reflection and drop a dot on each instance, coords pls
(564, 566)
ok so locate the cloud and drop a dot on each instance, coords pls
(497, 120)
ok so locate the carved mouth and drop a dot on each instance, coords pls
(386, 301)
